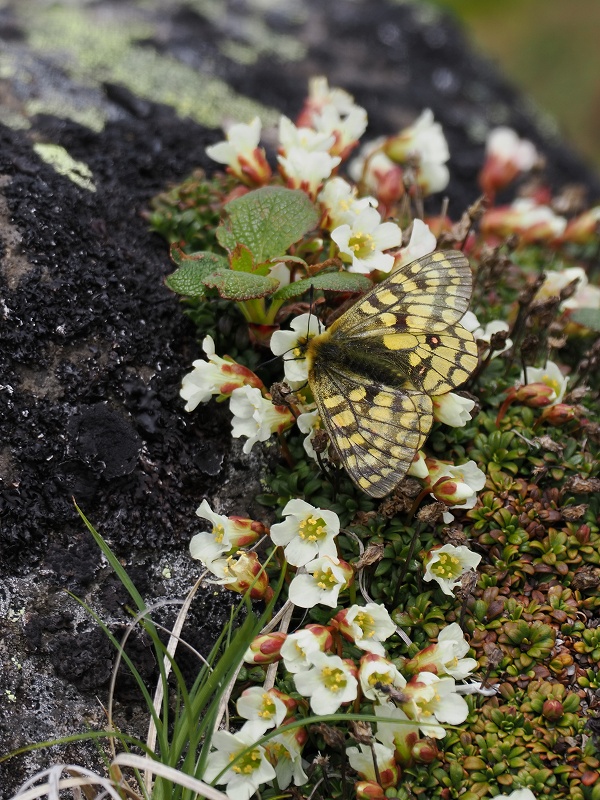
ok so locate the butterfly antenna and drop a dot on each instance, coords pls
(311, 296)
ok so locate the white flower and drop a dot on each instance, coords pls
(307, 139)
(418, 468)
(379, 168)
(452, 409)
(504, 145)
(446, 657)
(375, 670)
(535, 219)
(396, 729)
(328, 683)
(555, 282)
(292, 346)
(447, 564)
(298, 649)
(285, 751)
(307, 533)
(241, 152)
(305, 169)
(361, 760)
(364, 241)
(423, 140)
(256, 417)
(246, 774)
(321, 95)
(517, 794)
(341, 203)
(367, 626)
(455, 485)
(325, 577)
(421, 243)
(264, 707)
(214, 377)
(310, 422)
(228, 533)
(433, 699)
(485, 333)
(550, 375)
(346, 129)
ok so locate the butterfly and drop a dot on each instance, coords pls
(374, 371)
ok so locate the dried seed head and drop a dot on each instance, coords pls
(281, 394)
(588, 577)
(581, 485)
(454, 536)
(372, 555)
(468, 582)
(320, 441)
(573, 513)
(493, 654)
(361, 731)
(333, 737)
(430, 514)
(548, 444)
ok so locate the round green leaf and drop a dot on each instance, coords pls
(240, 285)
(267, 221)
(189, 278)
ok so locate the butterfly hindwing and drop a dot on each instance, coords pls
(375, 369)
(375, 429)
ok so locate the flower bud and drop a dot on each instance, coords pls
(450, 491)
(558, 414)
(553, 709)
(535, 395)
(288, 701)
(322, 635)
(424, 751)
(369, 790)
(247, 571)
(584, 228)
(265, 649)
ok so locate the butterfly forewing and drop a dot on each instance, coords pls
(428, 295)
(373, 371)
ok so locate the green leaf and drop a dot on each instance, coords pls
(240, 285)
(242, 259)
(327, 281)
(193, 269)
(267, 221)
(590, 317)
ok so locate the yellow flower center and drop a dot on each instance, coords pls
(366, 623)
(247, 764)
(268, 707)
(324, 580)
(218, 533)
(447, 567)
(380, 677)
(333, 678)
(362, 244)
(553, 383)
(312, 530)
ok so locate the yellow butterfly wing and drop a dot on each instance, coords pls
(373, 371)
(376, 429)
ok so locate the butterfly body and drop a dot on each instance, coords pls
(374, 371)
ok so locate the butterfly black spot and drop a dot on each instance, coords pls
(433, 341)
